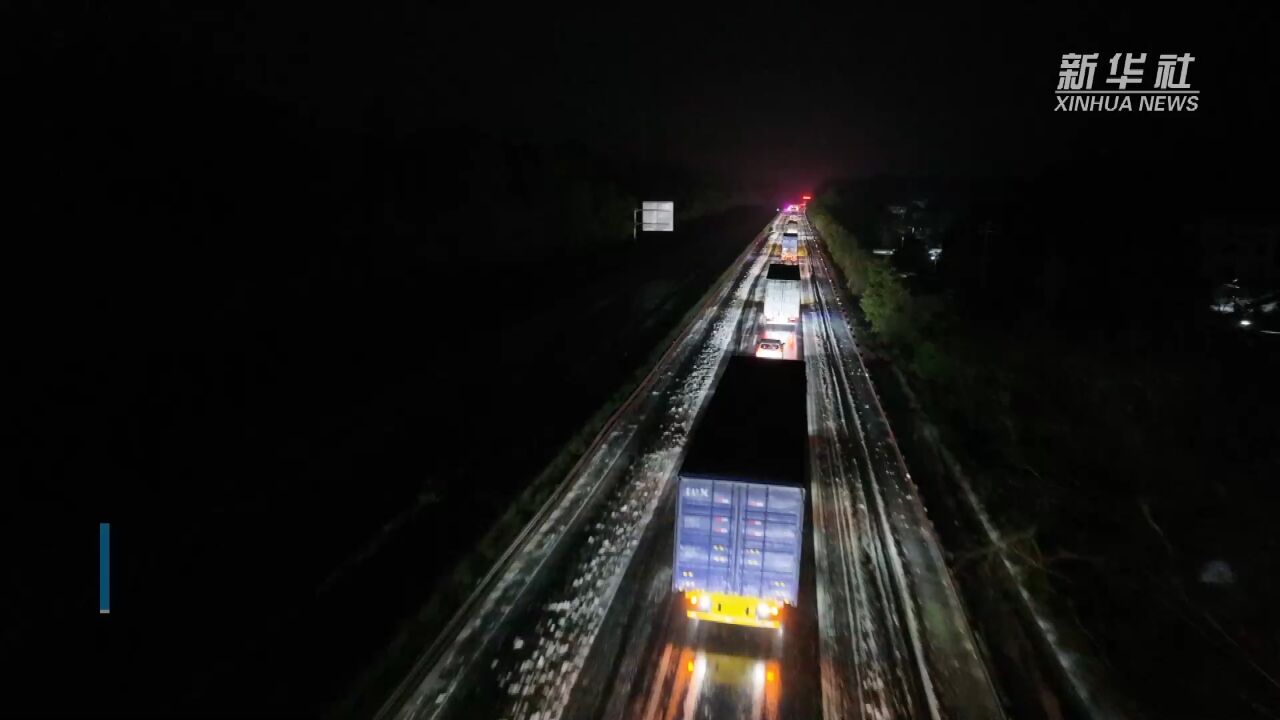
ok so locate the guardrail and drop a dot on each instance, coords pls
(451, 630)
(1075, 683)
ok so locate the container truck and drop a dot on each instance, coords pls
(782, 294)
(740, 508)
(790, 245)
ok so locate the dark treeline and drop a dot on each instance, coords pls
(1078, 250)
(223, 155)
(178, 186)
(251, 336)
(1122, 434)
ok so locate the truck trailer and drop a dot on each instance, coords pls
(790, 244)
(782, 294)
(740, 508)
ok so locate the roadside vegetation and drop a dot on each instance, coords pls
(1125, 444)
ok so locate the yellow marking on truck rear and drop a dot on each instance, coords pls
(734, 610)
(734, 619)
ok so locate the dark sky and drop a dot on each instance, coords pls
(780, 99)
(807, 95)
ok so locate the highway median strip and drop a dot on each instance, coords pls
(375, 685)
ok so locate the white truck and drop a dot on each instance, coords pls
(789, 245)
(782, 294)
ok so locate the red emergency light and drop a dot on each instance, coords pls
(806, 197)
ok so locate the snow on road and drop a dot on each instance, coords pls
(895, 639)
(537, 668)
(543, 681)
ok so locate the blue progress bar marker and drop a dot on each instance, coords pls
(104, 568)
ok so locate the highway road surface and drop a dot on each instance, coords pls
(578, 619)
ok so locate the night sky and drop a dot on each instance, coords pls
(791, 98)
(776, 100)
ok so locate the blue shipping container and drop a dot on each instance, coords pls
(740, 511)
(739, 538)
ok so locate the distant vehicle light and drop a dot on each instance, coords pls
(806, 197)
(1246, 323)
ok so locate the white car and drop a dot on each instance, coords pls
(769, 348)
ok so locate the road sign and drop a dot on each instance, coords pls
(657, 216)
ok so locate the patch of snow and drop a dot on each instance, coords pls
(547, 678)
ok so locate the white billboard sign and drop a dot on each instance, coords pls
(657, 216)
